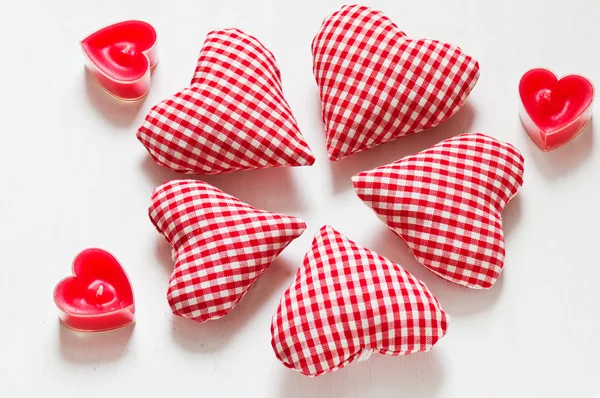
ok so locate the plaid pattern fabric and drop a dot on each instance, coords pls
(377, 84)
(220, 245)
(232, 117)
(446, 204)
(347, 302)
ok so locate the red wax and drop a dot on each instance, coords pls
(554, 111)
(98, 297)
(121, 57)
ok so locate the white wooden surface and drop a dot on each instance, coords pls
(74, 176)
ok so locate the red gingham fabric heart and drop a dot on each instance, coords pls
(378, 84)
(220, 245)
(347, 302)
(446, 204)
(232, 117)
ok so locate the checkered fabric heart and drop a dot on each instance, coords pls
(232, 117)
(378, 84)
(446, 204)
(220, 245)
(348, 302)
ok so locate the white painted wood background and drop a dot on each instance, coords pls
(74, 176)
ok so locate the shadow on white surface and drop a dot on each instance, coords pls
(212, 335)
(343, 170)
(416, 375)
(119, 113)
(162, 253)
(511, 214)
(271, 189)
(93, 347)
(159, 174)
(455, 299)
(566, 159)
(314, 113)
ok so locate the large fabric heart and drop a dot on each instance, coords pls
(554, 111)
(446, 204)
(220, 245)
(377, 84)
(232, 117)
(348, 302)
(121, 56)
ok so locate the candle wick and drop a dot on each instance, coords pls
(100, 291)
(127, 49)
(547, 95)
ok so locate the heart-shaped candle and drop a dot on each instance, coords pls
(98, 297)
(121, 56)
(554, 111)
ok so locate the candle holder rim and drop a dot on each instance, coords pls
(94, 331)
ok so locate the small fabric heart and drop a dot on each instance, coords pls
(347, 302)
(446, 204)
(377, 84)
(220, 245)
(232, 117)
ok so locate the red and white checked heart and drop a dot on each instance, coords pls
(446, 204)
(220, 245)
(378, 84)
(347, 302)
(232, 117)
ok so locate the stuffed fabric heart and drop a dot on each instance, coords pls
(446, 204)
(232, 117)
(378, 84)
(348, 302)
(220, 245)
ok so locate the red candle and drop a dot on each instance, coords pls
(121, 57)
(554, 111)
(98, 297)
